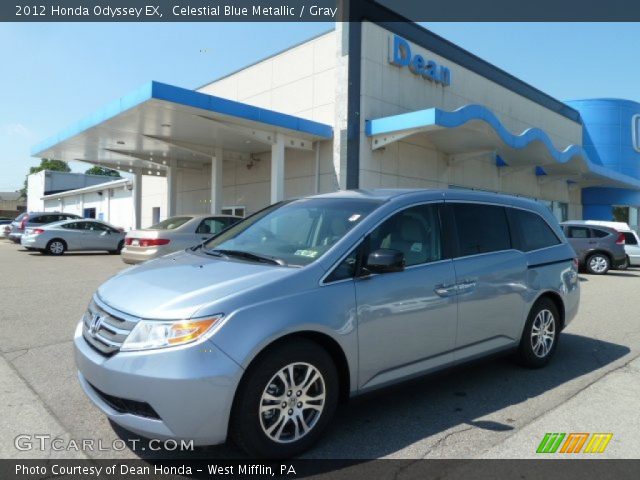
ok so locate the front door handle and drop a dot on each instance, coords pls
(446, 290)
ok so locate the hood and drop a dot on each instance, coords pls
(178, 285)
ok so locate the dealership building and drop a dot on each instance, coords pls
(365, 105)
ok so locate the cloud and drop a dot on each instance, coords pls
(17, 130)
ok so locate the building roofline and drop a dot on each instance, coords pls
(268, 57)
(90, 188)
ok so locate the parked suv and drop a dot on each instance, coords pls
(631, 240)
(35, 219)
(261, 330)
(599, 248)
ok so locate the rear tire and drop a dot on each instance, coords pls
(540, 336)
(56, 247)
(275, 416)
(598, 264)
(119, 249)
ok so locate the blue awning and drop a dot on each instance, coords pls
(474, 128)
(159, 121)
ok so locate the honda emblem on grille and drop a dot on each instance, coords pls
(96, 322)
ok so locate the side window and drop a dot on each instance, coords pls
(481, 228)
(577, 232)
(530, 231)
(630, 238)
(598, 233)
(42, 219)
(70, 226)
(415, 232)
(210, 226)
(98, 227)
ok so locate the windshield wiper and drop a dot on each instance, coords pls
(246, 255)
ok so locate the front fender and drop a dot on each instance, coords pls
(327, 309)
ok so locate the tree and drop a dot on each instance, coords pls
(107, 172)
(46, 164)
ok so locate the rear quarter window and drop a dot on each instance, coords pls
(530, 231)
(597, 233)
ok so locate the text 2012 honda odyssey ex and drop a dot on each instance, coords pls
(256, 334)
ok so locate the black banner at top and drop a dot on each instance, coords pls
(316, 10)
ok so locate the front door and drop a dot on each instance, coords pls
(491, 280)
(407, 319)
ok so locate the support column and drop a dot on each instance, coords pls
(107, 192)
(172, 187)
(277, 170)
(216, 181)
(137, 199)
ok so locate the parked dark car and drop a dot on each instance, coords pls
(599, 248)
(35, 219)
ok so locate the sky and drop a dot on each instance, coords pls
(54, 74)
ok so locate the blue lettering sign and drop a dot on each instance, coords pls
(400, 56)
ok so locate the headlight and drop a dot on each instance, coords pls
(148, 334)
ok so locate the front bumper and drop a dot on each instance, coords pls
(618, 262)
(191, 388)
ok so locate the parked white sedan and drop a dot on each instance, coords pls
(69, 235)
(173, 234)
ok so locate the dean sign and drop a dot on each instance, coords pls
(401, 56)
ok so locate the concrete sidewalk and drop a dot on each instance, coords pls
(609, 405)
(24, 413)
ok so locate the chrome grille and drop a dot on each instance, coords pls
(105, 329)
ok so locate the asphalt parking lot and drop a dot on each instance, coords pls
(489, 409)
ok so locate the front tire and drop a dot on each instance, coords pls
(56, 247)
(285, 401)
(540, 336)
(598, 264)
(626, 264)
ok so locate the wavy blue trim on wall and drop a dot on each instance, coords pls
(440, 118)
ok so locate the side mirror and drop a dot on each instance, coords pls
(385, 260)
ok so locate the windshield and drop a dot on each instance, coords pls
(170, 223)
(293, 233)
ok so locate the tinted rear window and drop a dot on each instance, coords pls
(481, 228)
(530, 231)
(630, 238)
(595, 232)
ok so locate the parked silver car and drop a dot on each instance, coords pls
(173, 234)
(5, 227)
(258, 333)
(71, 235)
(35, 219)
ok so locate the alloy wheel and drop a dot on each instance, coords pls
(292, 402)
(56, 248)
(598, 264)
(543, 333)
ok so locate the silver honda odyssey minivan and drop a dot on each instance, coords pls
(258, 333)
